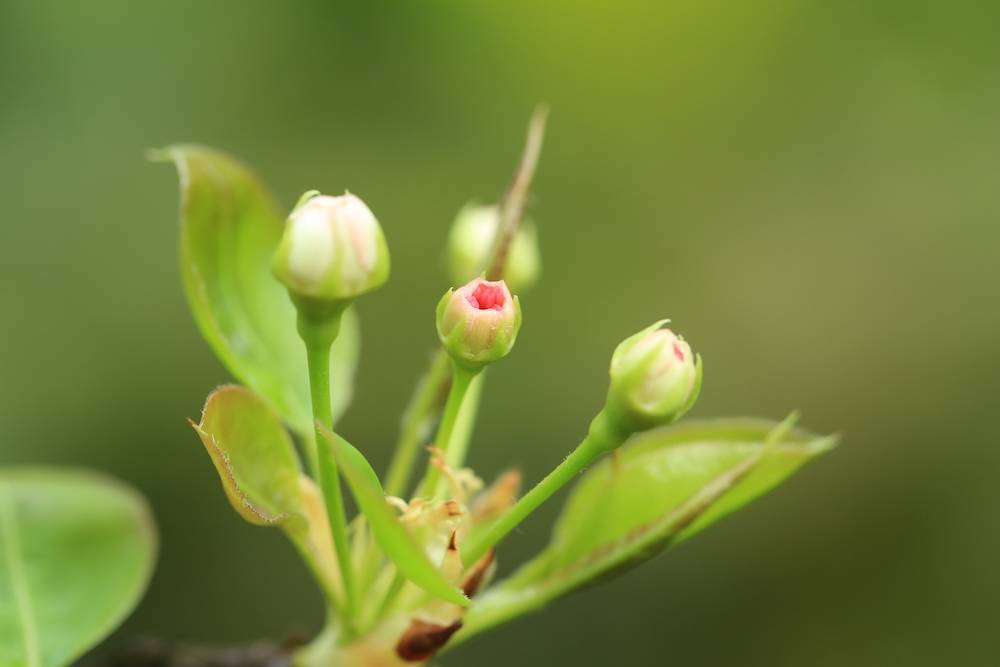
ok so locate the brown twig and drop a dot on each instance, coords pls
(512, 205)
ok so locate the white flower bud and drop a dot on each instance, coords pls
(332, 249)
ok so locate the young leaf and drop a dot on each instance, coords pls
(664, 486)
(76, 553)
(259, 470)
(395, 540)
(230, 227)
(254, 456)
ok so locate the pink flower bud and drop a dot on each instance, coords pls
(655, 378)
(478, 322)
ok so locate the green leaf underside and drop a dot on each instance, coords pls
(667, 485)
(230, 227)
(76, 552)
(394, 539)
(254, 456)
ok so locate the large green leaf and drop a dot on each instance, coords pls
(664, 486)
(254, 456)
(76, 553)
(230, 227)
(394, 539)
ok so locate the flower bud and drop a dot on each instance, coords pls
(471, 240)
(332, 249)
(655, 378)
(478, 322)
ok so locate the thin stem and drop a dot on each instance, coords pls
(461, 434)
(420, 413)
(460, 381)
(600, 438)
(318, 338)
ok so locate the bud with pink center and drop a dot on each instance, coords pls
(332, 249)
(478, 322)
(655, 378)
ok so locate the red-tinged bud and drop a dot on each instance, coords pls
(655, 379)
(478, 322)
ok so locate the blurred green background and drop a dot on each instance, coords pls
(809, 189)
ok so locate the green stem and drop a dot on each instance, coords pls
(461, 433)
(601, 437)
(417, 419)
(460, 381)
(318, 335)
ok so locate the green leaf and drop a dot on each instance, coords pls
(394, 539)
(665, 486)
(230, 228)
(260, 473)
(254, 456)
(76, 552)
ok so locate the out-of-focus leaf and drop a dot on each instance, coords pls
(76, 553)
(394, 539)
(230, 227)
(254, 456)
(665, 486)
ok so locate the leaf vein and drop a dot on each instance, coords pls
(18, 579)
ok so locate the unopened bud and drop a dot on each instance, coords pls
(332, 249)
(471, 239)
(478, 322)
(655, 379)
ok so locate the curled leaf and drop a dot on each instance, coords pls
(260, 474)
(254, 456)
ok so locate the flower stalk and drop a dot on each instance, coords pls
(318, 336)
(462, 379)
(603, 436)
(332, 251)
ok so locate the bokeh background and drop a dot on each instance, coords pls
(809, 189)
